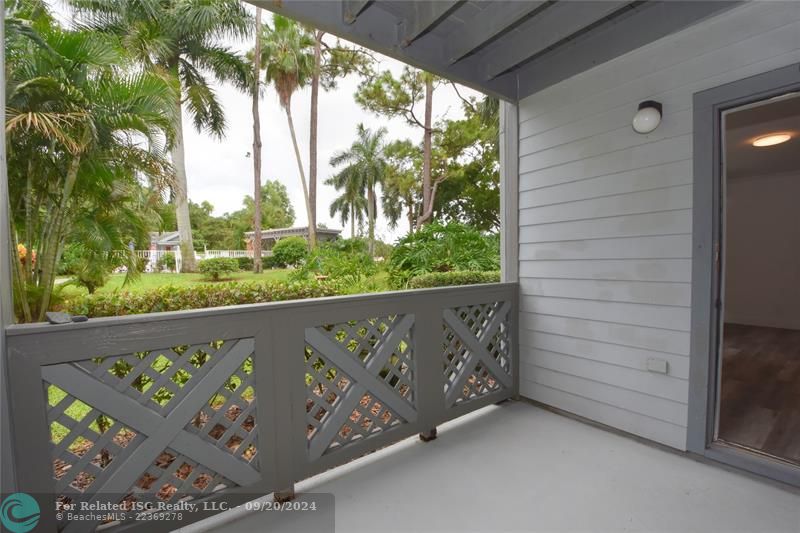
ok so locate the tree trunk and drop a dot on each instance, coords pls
(352, 221)
(371, 219)
(312, 138)
(427, 196)
(181, 189)
(257, 265)
(312, 231)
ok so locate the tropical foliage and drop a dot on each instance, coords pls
(457, 277)
(365, 168)
(81, 135)
(346, 261)
(443, 248)
(95, 131)
(288, 60)
(289, 251)
(181, 40)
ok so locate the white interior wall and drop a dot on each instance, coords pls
(762, 251)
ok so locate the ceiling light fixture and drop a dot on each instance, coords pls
(772, 139)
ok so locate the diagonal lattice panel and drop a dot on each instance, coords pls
(228, 418)
(144, 442)
(360, 379)
(476, 351)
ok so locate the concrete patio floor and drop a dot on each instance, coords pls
(516, 467)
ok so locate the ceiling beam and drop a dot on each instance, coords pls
(551, 26)
(426, 15)
(351, 9)
(488, 24)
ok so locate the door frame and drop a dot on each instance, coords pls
(707, 220)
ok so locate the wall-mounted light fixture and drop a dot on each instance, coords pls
(648, 117)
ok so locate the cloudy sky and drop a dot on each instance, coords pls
(220, 172)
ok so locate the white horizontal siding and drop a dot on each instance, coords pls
(605, 221)
(658, 246)
(639, 292)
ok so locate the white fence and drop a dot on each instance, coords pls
(153, 257)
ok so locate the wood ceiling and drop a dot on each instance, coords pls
(507, 48)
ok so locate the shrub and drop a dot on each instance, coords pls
(268, 262)
(217, 268)
(447, 279)
(442, 248)
(171, 298)
(70, 261)
(345, 261)
(289, 251)
(245, 263)
(166, 262)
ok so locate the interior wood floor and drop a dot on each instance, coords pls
(760, 390)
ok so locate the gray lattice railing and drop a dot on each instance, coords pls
(247, 400)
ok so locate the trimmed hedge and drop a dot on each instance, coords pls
(446, 279)
(218, 268)
(170, 298)
(245, 263)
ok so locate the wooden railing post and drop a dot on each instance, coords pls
(430, 386)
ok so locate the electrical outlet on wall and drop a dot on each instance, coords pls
(660, 366)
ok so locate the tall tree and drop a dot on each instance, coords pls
(351, 204)
(81, 133)
(276, 211)
(398, 97)
(289, 63)
(401, 186)
(181, 39)
(256, 60)
(330, 64)
(365, 160)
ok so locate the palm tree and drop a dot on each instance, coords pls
(289, 61)
(256, 61)
(181, 40)
(80, 134)
(330, 63)
(351, 205)
(366, 161)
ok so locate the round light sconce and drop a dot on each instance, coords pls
(648, 117)
(771, 139)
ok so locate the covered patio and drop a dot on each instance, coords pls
(596, 317)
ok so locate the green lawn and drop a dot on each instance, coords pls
(151, 281)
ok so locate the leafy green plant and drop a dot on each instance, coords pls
(446, 279)
(70, 260)
(172, 298)
(442, 248)
(218, 268)
(245, 263)
(167, 262)
(289, 251)
(346, 261)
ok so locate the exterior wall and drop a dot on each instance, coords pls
(605, 219)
